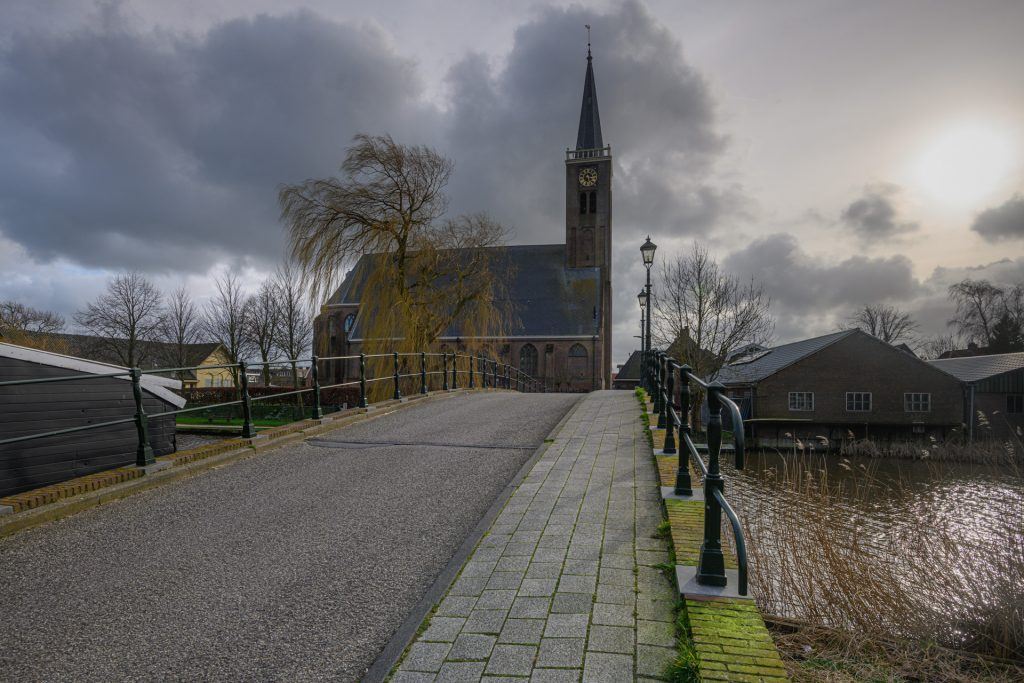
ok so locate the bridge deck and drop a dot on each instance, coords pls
(297, 564)
(564, 587)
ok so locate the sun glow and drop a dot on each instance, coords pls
(966, 163)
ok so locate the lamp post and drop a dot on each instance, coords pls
(647, 251)
(642, 298)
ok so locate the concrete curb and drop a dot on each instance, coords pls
(396, 646)
(167, 473)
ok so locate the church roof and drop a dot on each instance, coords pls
(547, 299)
(589, 136)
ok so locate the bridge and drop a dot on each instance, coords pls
(452, 535)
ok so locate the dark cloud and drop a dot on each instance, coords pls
(873, 216)
(1003, 222)
(163, 152)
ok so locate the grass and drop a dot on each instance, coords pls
(233, 422)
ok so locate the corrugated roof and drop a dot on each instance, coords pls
(766, 363)
(547, 299)
(976, 368)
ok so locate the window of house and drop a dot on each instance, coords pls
(528, 359)
(917, 403)
(1015, 403)
(858, 401)
(801, 400)
(583, 202)
(593, 202)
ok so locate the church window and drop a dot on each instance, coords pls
(593, 202)
(583, 202)
(528, 359)
(578, 365)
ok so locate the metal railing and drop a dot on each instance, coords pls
(660, 372)
(492, 374)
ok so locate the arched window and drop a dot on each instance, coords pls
(593, 202)
(350, 321)
(583, 202)
(528, 359)
(578, 365)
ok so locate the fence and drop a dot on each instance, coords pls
(659, 377)
(488, 373)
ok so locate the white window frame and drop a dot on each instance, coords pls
(807, 407)
(850, 400)
(923, 398)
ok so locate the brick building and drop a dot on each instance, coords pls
(994, 392)
(560, 294)
(841, 385)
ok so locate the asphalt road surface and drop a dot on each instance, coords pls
(297, 564)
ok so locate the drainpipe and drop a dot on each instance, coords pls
(970, 416)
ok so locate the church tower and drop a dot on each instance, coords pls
(588, 207)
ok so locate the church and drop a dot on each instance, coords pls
(561, 293)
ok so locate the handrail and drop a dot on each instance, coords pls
(486, 368)
(660, 372)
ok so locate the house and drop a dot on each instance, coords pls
(994, 386)
(628, 376)
(559, 294)
(842, 385)
(43, 407)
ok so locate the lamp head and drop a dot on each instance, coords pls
(647, 251)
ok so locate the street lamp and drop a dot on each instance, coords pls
(647, 251)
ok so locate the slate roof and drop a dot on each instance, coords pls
(589, 135)
(547, 299)
(630, 370)
(766, 363)
(976, 368)
(154, 354)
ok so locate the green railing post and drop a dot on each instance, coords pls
(483, 371)
(662, 362)
(398, 392)
(444, 371)
(423, 372)
(711, 564)
(248, 428)
(494, 369)
(684, 484)
(469, 362)
(455, 370)
(144, 453)
(670, 417)
(314, 372)
(362, 380)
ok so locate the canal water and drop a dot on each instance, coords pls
(942, 540)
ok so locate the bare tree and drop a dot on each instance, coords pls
(263, 321)
(702, 314)
(180, 328)
(225, 317)
(979, 305)
(295, 328)
(427, 273)
(17, 317)
(126, 316)
(936, 346)
(884, 322)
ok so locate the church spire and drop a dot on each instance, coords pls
(589, 136)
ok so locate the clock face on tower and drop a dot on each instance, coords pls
(588, 177)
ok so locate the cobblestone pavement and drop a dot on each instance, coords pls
(564, 586)
(294, 565)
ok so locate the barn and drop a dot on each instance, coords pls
(44, 407)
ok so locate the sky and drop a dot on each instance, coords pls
(842, 153)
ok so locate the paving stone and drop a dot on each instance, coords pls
(566, 626)
(555, 676)
(570, 583)
(485, 621)
(522, 631)
(611, 639)
(425, 656)
(412, 677)
(560, 652)
(571, 603)
(496, 599)
(515, 563)
(616, 577)
(443, 629)
(583, 567)
(511, 660)
(544, 570)
(549, 555)
(584, 552)
(602, 667)
(537, 587)
(530, 608)
(456, 606)
(613, 615)
(472, 646)
(617, 561)
(655, 610)
(652, 661)
(509, 580)
(472, 586)
(518, 549)
(460, 672)
(619, 595)
(655, 633)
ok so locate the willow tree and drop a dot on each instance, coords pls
(429, 273)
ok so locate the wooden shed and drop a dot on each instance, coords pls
(43, 407)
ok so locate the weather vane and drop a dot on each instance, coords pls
(588, 39)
